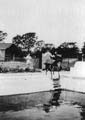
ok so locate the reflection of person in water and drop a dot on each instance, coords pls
(46, 107)
(56, 95)
(53, 102)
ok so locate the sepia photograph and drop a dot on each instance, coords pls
(42, 59)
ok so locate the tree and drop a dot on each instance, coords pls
(29, 40)
(26, 41)
(68, 50)
(83, 50)
(17, 40)
(3, 35)
(39, 45)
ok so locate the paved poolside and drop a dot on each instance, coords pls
(20, 83)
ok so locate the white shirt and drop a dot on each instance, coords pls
(47, 56)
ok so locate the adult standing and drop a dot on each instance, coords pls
(48, 60)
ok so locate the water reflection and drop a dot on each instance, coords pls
(56, 96)
(59, 104)
(26, 101)
(53, 101)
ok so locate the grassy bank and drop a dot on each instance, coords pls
(17, 66)
(13, 64)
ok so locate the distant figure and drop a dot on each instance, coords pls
(29, 61)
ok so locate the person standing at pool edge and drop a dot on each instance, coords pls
(48, 60)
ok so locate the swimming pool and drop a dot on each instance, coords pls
(48, 105)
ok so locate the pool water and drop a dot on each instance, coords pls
(50, 105)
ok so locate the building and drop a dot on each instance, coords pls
(8, 51)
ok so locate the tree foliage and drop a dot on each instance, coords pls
(68, 50)
(39, 45)
(26, 41)
(17, 40)
(83, 49)
(3, 35)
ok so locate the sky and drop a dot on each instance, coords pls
(54, 21)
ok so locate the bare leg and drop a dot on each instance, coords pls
(46, 68)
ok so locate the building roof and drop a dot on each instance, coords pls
(4, 46)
